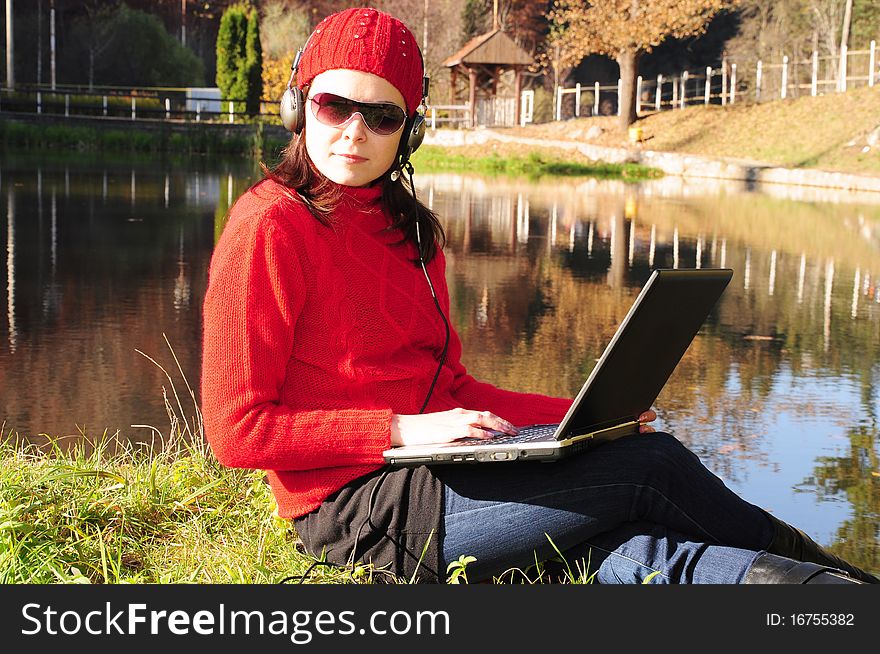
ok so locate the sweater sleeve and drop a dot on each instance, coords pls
(255, 294)
(518, 408)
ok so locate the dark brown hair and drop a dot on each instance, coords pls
(296, 171)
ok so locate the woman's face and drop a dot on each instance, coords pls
(350, 153)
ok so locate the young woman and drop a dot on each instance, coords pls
(327, 340)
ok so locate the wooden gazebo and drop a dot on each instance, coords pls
(487, 63)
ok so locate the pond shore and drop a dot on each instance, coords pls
(754, 144)
(754, 173)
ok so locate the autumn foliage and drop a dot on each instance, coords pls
(624, 30)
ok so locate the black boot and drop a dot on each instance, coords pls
(791, 542)
(772, 569)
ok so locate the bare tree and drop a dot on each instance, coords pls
(844, 41)
(95, 32)
(797, 28)
(438, 20)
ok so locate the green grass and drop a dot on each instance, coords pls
(104, 511)
(199, 140)
(107, 513)
(101, 510)
(533, 165)
(135, 517)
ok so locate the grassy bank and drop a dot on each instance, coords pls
(198, 140)
(137, 517)
(534, 164)
(92, 514)
(826, 132)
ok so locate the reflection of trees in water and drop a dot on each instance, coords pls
(112, 268)
(796, 309)
(784, 310)
(856, 477)
(713, 406)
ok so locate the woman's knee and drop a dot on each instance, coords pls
(663, 448)
(656, 446)
(657, 455)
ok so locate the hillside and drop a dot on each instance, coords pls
(838, 132)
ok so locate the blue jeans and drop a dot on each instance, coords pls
(628, 508)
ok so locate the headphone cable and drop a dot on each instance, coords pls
(369, 519)
(350, 565)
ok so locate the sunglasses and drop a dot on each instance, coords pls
(382, 118)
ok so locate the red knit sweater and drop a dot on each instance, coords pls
(314, 336)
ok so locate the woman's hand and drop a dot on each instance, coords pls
(446, 426)
(647, 416)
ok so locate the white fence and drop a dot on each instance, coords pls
(497, 111)
(186, 105)
(755, 80)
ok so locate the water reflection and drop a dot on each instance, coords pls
(778, 394)
(785, 371)
(117, 265)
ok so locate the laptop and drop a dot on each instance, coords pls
(627, 378)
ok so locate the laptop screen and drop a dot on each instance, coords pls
(646, 348)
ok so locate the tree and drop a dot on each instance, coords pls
(527, 23)
(797, 28)
(231, 52)
(284, 28)
(866, 22)
(240, 57)
(128, 47)
(474, 19)
(253, 66)
(624, 30)
(95, 33)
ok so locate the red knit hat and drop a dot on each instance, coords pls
(368, 40)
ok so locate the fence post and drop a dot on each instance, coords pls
(814, 80)
(198, 111)
(707, 92)
(596, 92)
(104, 104)
(231, 112)
(619, 95)
(67, 105)
(872, 60)
(558, 103)
(675, 84)
(433, 118)
(133, 108)
(638, 95)
(684, 87)
(758, 79)
(841, 86)
(784, 90)
(732, 83)
(167, 108)
(724, 81)
(528, 115)
(39, 103)
(577, 100)
(658, 94)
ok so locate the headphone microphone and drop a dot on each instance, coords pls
(416, 128)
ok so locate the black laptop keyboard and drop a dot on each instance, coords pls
(525, 435)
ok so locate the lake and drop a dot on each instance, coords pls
(106, 266)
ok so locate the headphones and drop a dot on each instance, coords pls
(293, 114)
